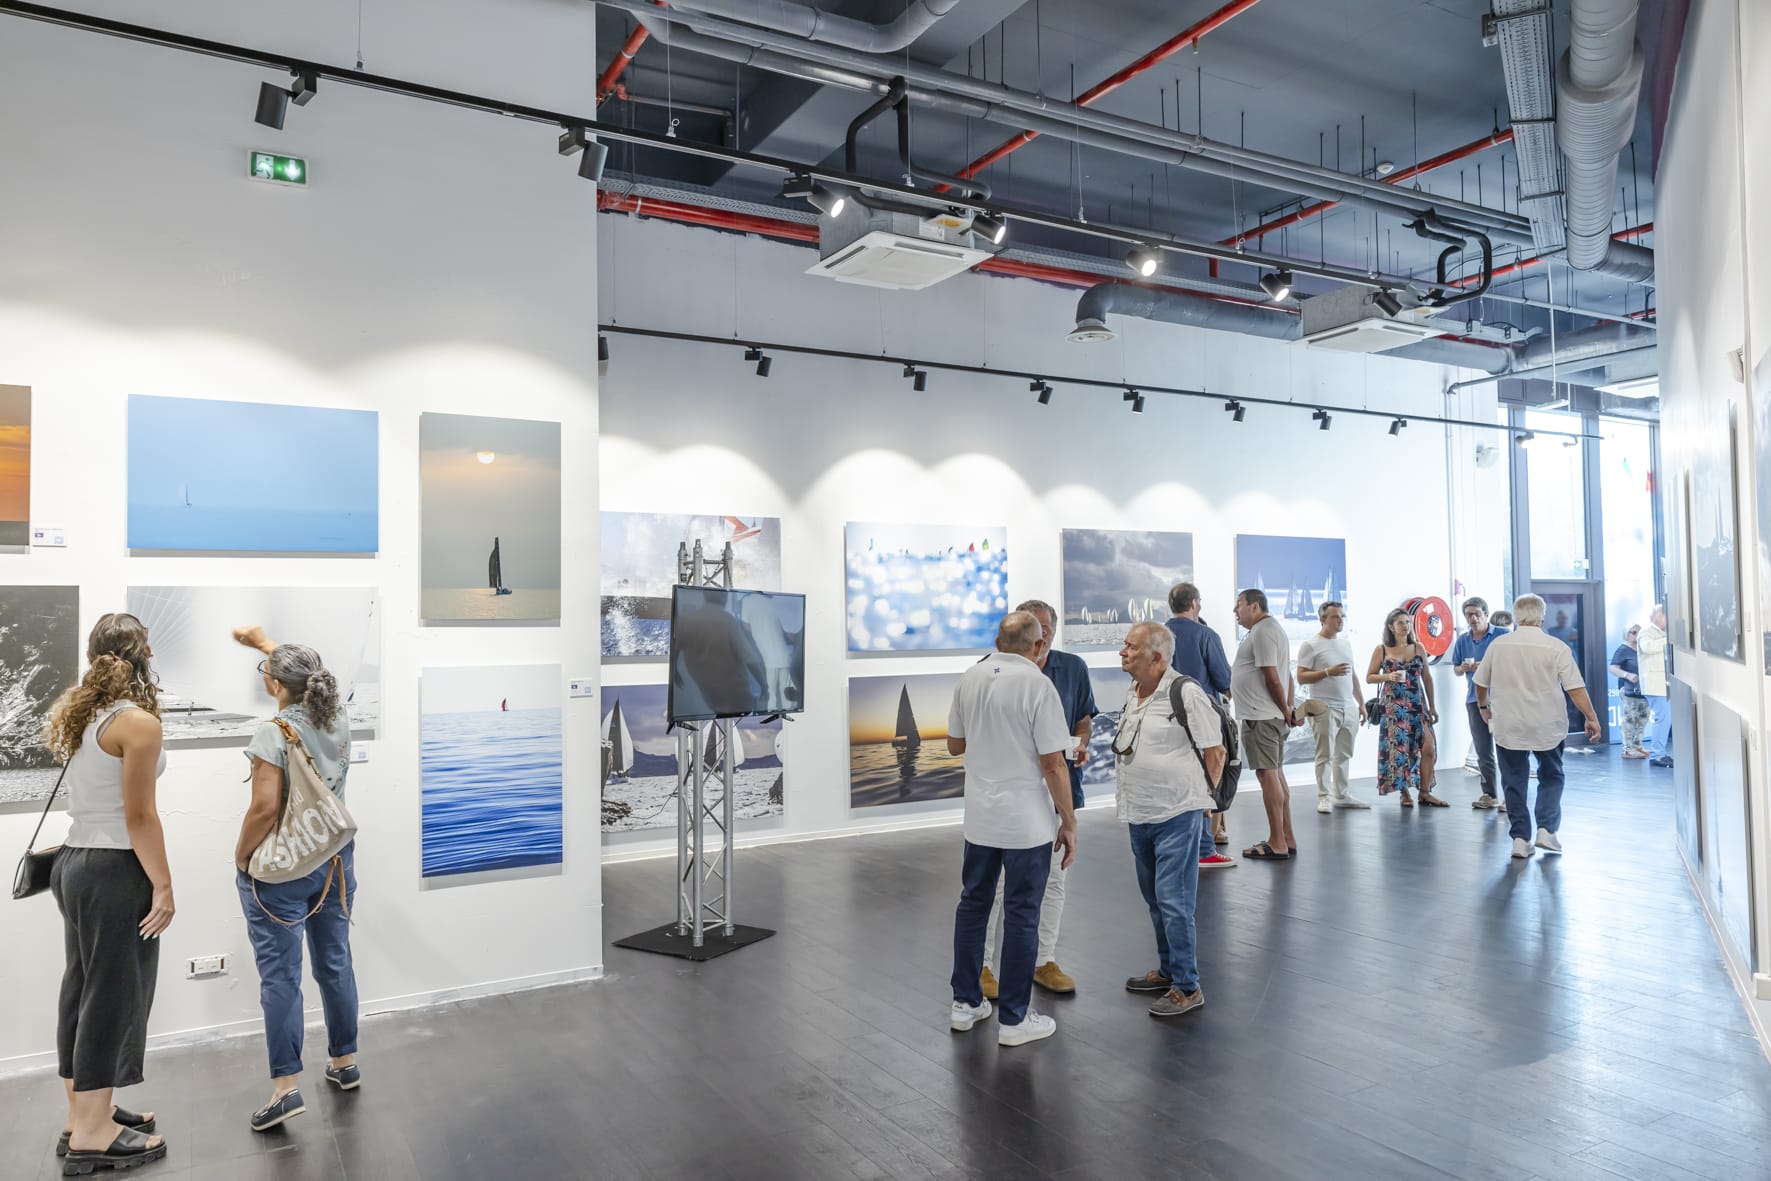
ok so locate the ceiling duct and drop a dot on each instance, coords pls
(1522, 30)
(800, 20)
(893, 247)
(1597, 83)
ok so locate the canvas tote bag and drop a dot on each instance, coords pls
(314, 826)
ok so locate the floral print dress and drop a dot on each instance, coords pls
(1403, 728)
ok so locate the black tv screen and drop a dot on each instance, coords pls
(736, 653)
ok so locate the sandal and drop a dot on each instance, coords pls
(129, 1149)
(1429, 800)
(1264, 852)
(1407, 800)
(128, 1119)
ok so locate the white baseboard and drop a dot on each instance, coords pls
(371, 1009)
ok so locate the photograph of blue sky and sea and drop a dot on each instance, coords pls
(249, 477)
(639, 552)
(639, 767)
(736, 653)
(1298, 574)
(490, 495)
(1115, 578)
(922, 588)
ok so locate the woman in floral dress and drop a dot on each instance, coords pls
(1405, 736)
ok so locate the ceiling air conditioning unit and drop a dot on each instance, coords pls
(1348, 321)
(893, 249)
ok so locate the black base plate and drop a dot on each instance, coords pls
(666, 941)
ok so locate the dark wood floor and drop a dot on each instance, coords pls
(1402, 1001)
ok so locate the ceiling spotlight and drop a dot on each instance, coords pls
(1237, 410)
(763, 362)
(273, 100)
(909, 370)
(1045, 394)
(602, 355)
(1135, 398)
(1386, 299)
(1396, 426)
(992, 228)
(826, 201)
(594, 153)
(1144, 260)
(1277, 285)
(920, 382)
(1384, 168)
(1322, 419)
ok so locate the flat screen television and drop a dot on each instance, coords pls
(735, 653)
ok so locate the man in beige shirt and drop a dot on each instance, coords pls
(1651, 663)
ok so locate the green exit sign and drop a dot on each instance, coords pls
(287, 170)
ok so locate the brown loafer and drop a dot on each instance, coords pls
(987, 982)
(1053, 978)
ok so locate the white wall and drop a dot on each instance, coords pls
(440, 260)
(1713, 239)
(690, 428)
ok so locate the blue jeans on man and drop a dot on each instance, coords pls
(1167, 858)
(277, 947)
(1515, 778)
(1660, 729)
(1023, 873)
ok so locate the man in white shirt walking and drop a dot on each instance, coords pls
(1335, 706)
(1008, 723)
(1164, 796)
(1519, 689)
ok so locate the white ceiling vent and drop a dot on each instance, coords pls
(881, 258)
(1374, 335)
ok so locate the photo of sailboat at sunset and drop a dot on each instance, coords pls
(490, 491)
(15, 467)
(898, 740)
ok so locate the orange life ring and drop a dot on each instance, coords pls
(1434, 628)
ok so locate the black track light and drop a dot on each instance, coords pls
(594, 153)
(920, 382)
(990, 227)
(1045, 394)
(1237, 410)
(1135, 398)
(1396, 426)
(909, 370)
(763, 362)
(602, 355)
(1322, 419)
(1277, 285)
(1386, 300)
(826, 201)
(273, 100)
(1144, 260)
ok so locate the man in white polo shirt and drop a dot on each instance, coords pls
(1519, 689)
(1008, 723)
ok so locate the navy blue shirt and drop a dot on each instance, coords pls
(1200, 654)
(1468, 647)
(1626, 658)
(1070, 675)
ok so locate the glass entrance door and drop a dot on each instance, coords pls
(1573, 615)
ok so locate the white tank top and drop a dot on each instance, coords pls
(95, 789)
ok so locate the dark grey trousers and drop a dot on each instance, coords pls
(107, 989)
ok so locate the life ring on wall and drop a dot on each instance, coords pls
(1434, 629)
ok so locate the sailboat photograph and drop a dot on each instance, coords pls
(639, 769)
(497, 478)
(897, 740)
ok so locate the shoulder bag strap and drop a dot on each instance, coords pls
(1178, 699)
(32, 846)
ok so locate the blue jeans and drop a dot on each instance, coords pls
(1207, 846)
(1661, 728)
(1167, 858)
(1023, 872)
(278, 950)
(1515, 773)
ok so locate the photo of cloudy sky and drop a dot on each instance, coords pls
(1115, 578)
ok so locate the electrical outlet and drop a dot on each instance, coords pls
(359, 752)
(208, 965)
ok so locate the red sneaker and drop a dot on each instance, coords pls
(1216, 861)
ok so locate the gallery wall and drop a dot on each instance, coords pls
(438, 261)
(822, 442)
(1713, 240)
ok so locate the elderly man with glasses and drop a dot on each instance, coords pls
(1466, 655)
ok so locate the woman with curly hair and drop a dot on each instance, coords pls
(114, 888)
(277, 914)
(1406, 751)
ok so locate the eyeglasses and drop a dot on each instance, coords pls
(261, 665)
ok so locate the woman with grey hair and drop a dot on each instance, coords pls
(277, 913)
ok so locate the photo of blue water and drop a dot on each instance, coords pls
(926, 588)
(198, 477)
(494, 790)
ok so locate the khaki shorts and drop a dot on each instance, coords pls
(1263, 744)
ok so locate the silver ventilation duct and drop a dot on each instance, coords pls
(1597, 84)
(825, 27)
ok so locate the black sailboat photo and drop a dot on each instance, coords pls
(907, 741)
(495, 571)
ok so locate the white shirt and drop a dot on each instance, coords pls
(1651, 661)
(1318, 653)
(95, 788)
(1265, 646)
(1163, 777)
(1526, 673)
(1009, 714)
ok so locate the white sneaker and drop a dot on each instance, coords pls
(1032, 1027)
(964, 1016)
(1486, 803)
(1522, 848)
(1350, 802)
(1322, 804)
(1471, 765)
(1546, 840)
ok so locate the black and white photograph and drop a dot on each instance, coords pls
(39, 658)
(1713, 518)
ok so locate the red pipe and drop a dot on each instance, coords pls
(1307, 212)
(605, 83)
(1088, 98)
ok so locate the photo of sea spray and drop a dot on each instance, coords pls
(924, 588)
(639, 567)
(492, 768)
(39, 658)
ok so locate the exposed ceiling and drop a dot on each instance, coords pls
(1334, 82)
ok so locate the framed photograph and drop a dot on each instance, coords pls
(15, 468)
(639, 568)
(898, 740)
(40, 646)
(925, 588)
(1115, 578)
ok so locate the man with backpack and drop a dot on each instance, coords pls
(1167, 763)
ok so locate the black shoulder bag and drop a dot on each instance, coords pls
(36, 865)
